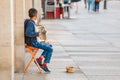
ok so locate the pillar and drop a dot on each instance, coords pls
(19, 14)
(6, 40)
(28, 5)
(37, 5)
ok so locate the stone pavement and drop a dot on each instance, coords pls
(90, 43)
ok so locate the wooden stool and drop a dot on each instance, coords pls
(33, 51)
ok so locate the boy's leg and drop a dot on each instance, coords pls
(44, 54)
(47, 52)
(48, 55)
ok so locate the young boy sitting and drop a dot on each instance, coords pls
(31, 40)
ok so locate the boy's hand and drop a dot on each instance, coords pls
(42, 41)
(44, 31)
(39, 33)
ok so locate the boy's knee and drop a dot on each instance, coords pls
(50, 45)
(51, 49)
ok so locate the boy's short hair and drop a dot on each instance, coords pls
(32, 12)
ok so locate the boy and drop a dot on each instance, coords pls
(31, 40)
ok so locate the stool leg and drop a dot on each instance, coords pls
(33, 59)
(38, 65)
(26, 69)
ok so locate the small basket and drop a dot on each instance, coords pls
(70, 69)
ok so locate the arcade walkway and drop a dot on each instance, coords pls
(90, 43)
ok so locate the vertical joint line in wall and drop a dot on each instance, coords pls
(12, 37)
(24, 8)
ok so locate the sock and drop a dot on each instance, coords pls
(40, 58)
(44, 64)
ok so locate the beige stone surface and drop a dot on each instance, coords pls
(5, 23)
(19, 60)
(5, 40)
(28, 5)
(5, 58)
(5, 75)
(19, 12)
(19, 35)
(21, 8)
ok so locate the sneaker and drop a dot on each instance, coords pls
(46, 69)
(39, 62)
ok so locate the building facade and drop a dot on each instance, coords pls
(12, 49)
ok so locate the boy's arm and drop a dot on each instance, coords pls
(30, 31)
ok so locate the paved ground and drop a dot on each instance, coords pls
(90, 43)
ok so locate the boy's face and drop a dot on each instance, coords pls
(35, 17)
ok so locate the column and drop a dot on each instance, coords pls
(37, 5)
(19, 14)
(28, 5)
(6, 40)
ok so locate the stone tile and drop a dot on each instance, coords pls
(116, 44)
(80, 54)
(84, 43)
(60, 32)
(5, 40)
(55, 76)
(64, 76)
(34, 76)
(88, 36)
(62, 63)
(5, 75)
(58, 49)
(60, 54)
(18, 76)
(103, 77)
(101, 71)
(91, 58)
(5, 59)
(91, 49)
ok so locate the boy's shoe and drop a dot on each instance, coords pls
(46, 69)
(39, 62)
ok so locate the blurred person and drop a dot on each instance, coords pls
(90, 5)
(85, 2)
(76, 2)
(60, 2)
(97, 3)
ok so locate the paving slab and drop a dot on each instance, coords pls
(19, 76)
(103, 77)
(57, 75)
(91, 49)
